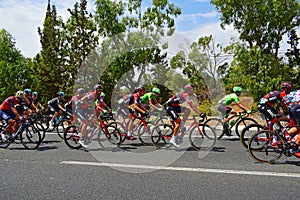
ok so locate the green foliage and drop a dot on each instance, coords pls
(15, 69)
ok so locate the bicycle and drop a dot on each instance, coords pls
(61, 123)
(142, 127)
(197, 131)
(249, 130)
(28, 135)
(240, 121)
(269, 146)
(108, 136)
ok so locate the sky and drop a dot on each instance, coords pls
(21, 18)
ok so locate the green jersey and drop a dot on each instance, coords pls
(228, 99)
(147, 97)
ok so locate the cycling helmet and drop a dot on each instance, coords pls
(237, 89)
(98, 87)
(35, 93)
(141, 89)
(102, 94)
(286, 85)
(62, 94)
(27, 91)
(20, 94)
(81, 90)
(156, 90)
(188, 87)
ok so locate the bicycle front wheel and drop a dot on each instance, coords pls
(217, 125)
(31, 137)
(72, 137)
(241, 124)
(161, 136)
(202, 137)
(266, 146)
(247, 133)
(4, 139)
(144, 133)
(109, 138)
(61, 127)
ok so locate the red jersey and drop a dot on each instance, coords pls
(9, 102)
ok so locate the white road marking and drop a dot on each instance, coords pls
(187, 169)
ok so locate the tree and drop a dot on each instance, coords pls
(131, 39)
(50, 63)
(14, 67)
(257, 64)
(80, 31)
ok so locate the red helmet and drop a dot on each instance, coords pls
(141, 89)
(286, 85)
(188, 87)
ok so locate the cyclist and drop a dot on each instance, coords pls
(29, 107)
(123, 104)
(87, 106)
(151, 97)
(174, 106)
(135, 109)
(266, 105)
(9, 112)
(292, 104)
(55, 105)
(70, 105)
(223, 104)
(36, 101)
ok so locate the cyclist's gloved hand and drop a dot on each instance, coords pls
(203, 115)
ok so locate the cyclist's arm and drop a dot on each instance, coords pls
(18, 116)
(241, 106)
(60, 107)
(194, 107)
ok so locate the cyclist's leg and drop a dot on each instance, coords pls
(171, 111)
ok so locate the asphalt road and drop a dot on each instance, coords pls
(139, 172)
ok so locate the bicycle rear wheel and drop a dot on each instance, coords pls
(266, 146)
(217, 125)
(109, 138)
(241, 124)
(72, 137)
(31, 137)
(144, 133)
(161, 136)
(247, 133)
(203, 138)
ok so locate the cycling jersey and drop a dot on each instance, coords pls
(292, 98)
(272, 98)
(228, 99)
(9, 102)
(148, 97)
(178, 99)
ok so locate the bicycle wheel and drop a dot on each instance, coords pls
(72, 137)
(247, 133)
(4, 141)
(109, 138)
(202, 137)
(121, 128)
(41, 128)
(144, 133)
(161, 136)
(241, 124)
(266, 146)
(61, 127)
(30, 137)
(217, 125)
